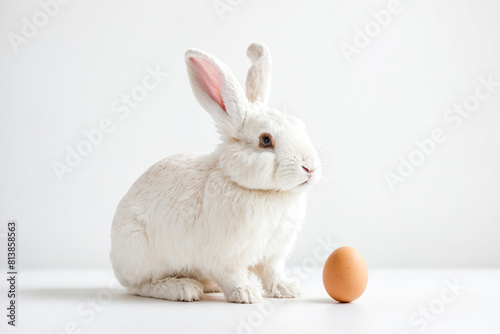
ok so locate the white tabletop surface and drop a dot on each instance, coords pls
(395, 301)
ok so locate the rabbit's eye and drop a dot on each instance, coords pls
(266, 140)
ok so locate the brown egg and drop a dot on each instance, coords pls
(345, 274)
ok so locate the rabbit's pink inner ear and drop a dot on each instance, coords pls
(209, 79)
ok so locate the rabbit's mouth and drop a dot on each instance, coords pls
(311, 180)
(306, 181)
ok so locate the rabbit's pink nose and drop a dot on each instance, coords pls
(308, 170)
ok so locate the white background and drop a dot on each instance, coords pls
(364, 113)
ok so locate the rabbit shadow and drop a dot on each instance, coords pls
(120, 295)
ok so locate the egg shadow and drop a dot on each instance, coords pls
(322, 301)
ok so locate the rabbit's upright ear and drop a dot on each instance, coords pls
(259, 75)
(216, 89)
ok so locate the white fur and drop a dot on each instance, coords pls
(202, 222)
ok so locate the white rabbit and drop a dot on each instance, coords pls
(197, 223)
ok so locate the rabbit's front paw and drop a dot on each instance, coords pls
(245, 295)
(284, 289)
